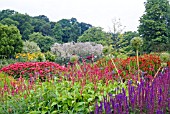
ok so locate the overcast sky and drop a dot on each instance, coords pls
(95, 12)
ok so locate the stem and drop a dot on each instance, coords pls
(138, 64)
(116, 68)
(157, 71)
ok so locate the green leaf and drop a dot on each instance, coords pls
(90, 99)
(80, 104)
(91, 108)
(54, 112)
(54, 103)
(35, 112)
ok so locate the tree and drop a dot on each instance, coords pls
(8, 21)
(72, 29)
(153, 26)
(44, 42)
(24, 26)
(37, 23)
(75, 32)
(123, 43)
(10, 41)
(96, 34)
(57, 32)
(26, 29)
(66, 29)
(84, 27)
(42, 17)
(45, 29)
(6, 13)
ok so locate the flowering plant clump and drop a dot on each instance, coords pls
(33, 70)
(148, 98)
(148, 64)
(10, 86)
(37, 56)
(81, 49)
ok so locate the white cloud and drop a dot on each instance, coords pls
(95, 12)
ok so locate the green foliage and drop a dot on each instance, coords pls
(154, 25)
(165, 58)
(10, 41)
(59, 97)
(50, 56)
(26, 29)
(123, 46)
(6, 13)
(44, 42)
(41, 58)
(107, 50)
(70, 29)
(97, 35)
(24, 26)
(8, 21)
(5, 62)
(57, 31)
(63, 31)
(30, 47)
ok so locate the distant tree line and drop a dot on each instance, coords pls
(62, 31)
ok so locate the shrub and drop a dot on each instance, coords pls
(66, 50)
(5, 62)
(50, 56)
(30, 47)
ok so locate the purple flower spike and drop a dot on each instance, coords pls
(96, 109)
(100, 108)
(159, 112)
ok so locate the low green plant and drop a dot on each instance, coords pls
(5, 62)
(59, 96)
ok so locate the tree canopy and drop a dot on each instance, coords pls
(154, 25)
(44, 42)
(96, 34)
(10, 40)
(64, 30)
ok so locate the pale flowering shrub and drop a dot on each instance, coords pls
(30, 47)
(85, 49)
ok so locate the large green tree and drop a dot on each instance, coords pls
(96, 34)
(10, 41)
(6, 13)
(57, 33)
(154, 25)
(72, 29)
(123, 44)
(8, 21)
(24, 26)
(44, 42)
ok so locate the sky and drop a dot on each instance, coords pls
(99, 13)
